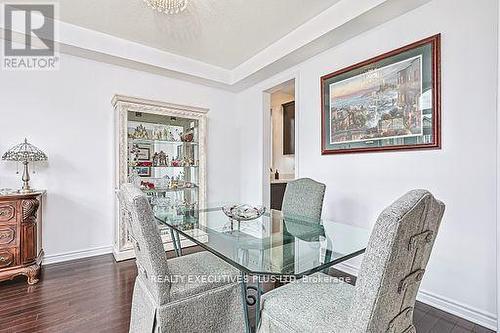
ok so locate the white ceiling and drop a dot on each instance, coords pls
(227, 44)
(224, 33)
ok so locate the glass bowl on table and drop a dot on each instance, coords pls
(243, 212)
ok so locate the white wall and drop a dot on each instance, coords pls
(284, 163)
(68, 114)
(461, 273)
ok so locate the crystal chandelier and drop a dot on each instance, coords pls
(167, 6)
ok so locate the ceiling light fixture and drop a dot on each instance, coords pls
(168, 6)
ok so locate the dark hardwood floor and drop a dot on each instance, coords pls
(94, 295)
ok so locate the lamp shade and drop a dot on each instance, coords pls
(24, 152)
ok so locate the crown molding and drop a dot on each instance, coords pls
(327, 21)
(342, 21)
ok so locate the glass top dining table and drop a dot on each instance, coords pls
(272, 244)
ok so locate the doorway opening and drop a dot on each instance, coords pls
(280, 137)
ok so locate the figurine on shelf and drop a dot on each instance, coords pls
(192, 210)
(188, 136)
(134, 154)
(147, 185)
(157, 134)
(162, 205)
(156, 159)
(163, 183)
(162, 159)
(168, 134)
(175, 163)
(134, 178)
(140, 132)
(173, 184)
(177, 136)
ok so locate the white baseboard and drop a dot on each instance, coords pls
(167, 245)
(60, 257)
(123, 255)
(347, 268)
(461, 310)
(130, 254)
(480, 317)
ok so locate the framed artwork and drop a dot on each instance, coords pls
(143, 153)
(390, 102)
(143, 171)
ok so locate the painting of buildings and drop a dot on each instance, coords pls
(378, 104)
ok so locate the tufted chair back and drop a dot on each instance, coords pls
(151, 259)
(304, 199)
(394, 264)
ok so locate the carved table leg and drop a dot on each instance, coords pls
(32, 273)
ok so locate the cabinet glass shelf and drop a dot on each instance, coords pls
(170, 190)
(164, 166)
(151, 141)
(154, 141)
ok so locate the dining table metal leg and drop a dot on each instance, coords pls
(244, 301)
(257, 303)
(254, 300)
(328, 255)
(179, 246)
(174, 242)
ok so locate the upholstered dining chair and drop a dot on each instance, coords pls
(384, 295)
(304, 199)
(170, 296)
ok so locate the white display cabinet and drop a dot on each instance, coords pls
(161, 147)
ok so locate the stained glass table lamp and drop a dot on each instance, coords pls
(25, 152)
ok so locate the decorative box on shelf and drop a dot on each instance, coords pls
(160, 147)
(21, 235)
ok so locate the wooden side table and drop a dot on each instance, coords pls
(21, 235)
